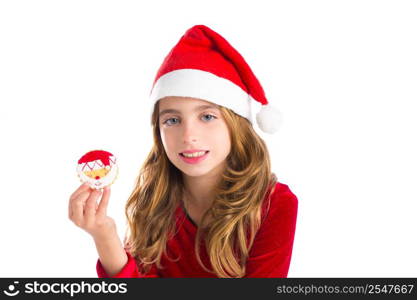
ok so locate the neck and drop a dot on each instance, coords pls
(199, 190)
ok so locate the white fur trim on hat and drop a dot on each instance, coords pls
(206, 86)
(210, 87)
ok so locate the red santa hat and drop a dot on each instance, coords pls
(204, 65)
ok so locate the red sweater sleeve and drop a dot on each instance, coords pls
(270, 254)
(130, 270)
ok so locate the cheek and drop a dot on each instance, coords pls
(164, 140)
(168, 140)
(221, 142)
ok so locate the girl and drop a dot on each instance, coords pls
(206, 203)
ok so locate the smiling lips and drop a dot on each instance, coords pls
(193, 157)
(193, 154)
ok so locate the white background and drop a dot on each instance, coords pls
(75, 76)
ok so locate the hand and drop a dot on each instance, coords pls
(84, 211)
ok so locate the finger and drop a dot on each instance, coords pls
(102, 207)
(90, 205)
(82, 188)
(77, 207)
(80, 196)
(73, 198)
(69, 210)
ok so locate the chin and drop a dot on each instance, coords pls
(194, 173)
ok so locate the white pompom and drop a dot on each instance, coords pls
(269, 119)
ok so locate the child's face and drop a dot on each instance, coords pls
(191, 127)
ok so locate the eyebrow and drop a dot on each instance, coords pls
(197, 108)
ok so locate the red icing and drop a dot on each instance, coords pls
(101, 155)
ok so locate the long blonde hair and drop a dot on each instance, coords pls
(235, 211)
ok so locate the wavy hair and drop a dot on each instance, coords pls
(235, 213)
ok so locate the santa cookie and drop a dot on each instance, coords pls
(98, 168)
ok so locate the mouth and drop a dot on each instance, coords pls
(194, 160)
(201, 154)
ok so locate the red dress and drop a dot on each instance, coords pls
(269, 256)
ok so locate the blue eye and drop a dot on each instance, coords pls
(211, 116)
(170, 124)
(169, 120)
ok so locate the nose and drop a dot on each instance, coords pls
(189, 134)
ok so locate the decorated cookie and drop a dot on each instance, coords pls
(98, 168)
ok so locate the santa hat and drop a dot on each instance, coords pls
(204, 65)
